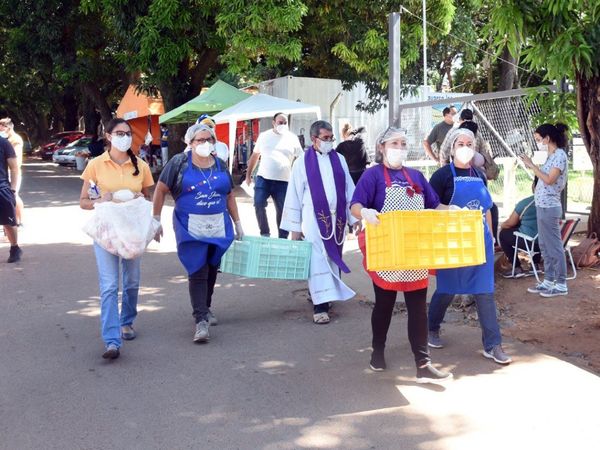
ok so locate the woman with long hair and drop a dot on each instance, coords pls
(118, 168)
(552, 178)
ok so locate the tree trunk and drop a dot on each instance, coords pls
(508, 71)
(588, 115)
(91, 118)
(71, 110)
(93, 92)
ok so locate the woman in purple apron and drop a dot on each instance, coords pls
(389, 186)
(461, 185)
(204, 208)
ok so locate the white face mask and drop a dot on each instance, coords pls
(464, 154)
(204, 149)
(325, 146)
(4, 134)
(281, 129)
(542, 147)
(396, 156)
(121, 143)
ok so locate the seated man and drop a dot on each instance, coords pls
(524, 220)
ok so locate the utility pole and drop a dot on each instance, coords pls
(424, 94)
(394, 83)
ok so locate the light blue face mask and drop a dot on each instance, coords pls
(4, 134)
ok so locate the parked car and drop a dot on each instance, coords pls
(66, 156)
(58, 141)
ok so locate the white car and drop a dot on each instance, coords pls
(66, 156)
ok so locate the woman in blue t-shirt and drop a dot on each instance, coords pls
(552, 178)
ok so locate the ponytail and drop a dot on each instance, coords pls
(557, 133)
(134, 161)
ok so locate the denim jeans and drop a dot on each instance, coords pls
(108, 278)
(486, 310)
(553, 251)
(263, 189)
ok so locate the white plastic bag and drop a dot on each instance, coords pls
(123, 229)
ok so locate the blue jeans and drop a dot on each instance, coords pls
(263, 189)
(108, 279)
(486, 310)
(551, 245)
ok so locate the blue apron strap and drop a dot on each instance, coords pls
(452, 169)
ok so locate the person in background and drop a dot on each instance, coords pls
(201, 186)
(317, 209)
(389, 186)
(221, 149)
(116, 169)
(7, 130)
(276, 149)
(460, 185)
(524, 220)
(164, 144)
(354, 151)
(439, 131)
(552, 178)
(96, 147)
(9, 181)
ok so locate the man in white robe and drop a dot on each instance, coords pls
(299, 217)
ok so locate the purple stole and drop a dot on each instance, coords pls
(321, 206)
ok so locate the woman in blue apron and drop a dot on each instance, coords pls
(204, 208)
(461, 185)
(389, 186)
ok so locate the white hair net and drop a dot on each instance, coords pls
(448, 144)
(194, 129)
(386, 135)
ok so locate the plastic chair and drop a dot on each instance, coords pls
(567, 230)
(528, 251)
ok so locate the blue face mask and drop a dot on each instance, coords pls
(4, 134)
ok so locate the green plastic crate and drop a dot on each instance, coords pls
(262, 257)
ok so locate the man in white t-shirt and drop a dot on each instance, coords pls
(221, 149)
(276, 148)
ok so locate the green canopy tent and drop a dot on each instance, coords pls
(217, 98)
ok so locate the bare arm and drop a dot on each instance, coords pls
(251, 165)
(84, 198)
(428, 150)
(355, 210)
(232, 207)
(15, 173)
(512, 221)
(549, 178)
(160, 193)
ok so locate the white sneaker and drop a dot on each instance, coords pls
(202, 334)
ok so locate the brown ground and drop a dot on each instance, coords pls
(567, 325)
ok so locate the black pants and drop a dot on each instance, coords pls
(202, 286)
(507, 241)
(416, 306)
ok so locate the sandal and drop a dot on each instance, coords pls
(321, 318)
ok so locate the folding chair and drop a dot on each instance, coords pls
(567, 230)
(528, 251)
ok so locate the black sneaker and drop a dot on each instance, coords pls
(429, 374)
(15, 254)
(377, 363)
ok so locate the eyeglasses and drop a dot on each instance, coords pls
(281, 123)
(122, 133)
(202, 140)
(327, 139)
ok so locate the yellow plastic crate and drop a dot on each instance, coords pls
(428, 239)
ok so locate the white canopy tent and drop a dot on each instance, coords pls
(257, 107)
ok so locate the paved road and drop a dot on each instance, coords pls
(268, 379)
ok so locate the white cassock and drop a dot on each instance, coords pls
(324, 280)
